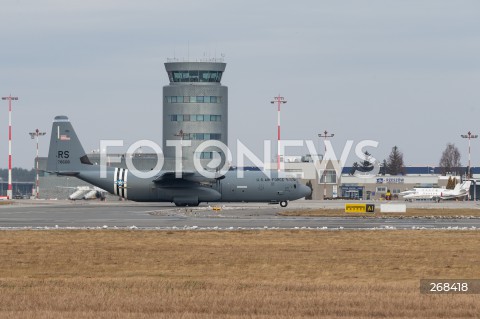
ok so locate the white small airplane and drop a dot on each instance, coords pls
(460, 190)
(87, 192)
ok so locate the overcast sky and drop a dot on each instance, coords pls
(403, 73)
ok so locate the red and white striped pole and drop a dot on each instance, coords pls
(279, 100)
(10, 98)
(33, 135)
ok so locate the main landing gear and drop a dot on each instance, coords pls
(283, 203)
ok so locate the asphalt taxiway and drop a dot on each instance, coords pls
(233, 216)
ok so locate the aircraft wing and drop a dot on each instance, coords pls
(409, 192)
(418, 196)
(170, 177)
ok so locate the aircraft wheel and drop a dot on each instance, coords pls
(284, 203)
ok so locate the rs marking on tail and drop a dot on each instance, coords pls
(66, 155)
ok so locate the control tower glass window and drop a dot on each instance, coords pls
(195, 76)
(193, 99)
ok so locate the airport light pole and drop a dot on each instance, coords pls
(279, 100)
(10, 98)
(33, 135)
(469, 135)
(325, 135)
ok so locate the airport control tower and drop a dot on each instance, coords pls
(195, 109)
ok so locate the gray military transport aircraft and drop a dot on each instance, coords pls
(67, 157)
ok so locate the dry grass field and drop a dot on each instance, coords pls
(250, 274)
(411, 212)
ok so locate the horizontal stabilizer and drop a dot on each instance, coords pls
(65, 173)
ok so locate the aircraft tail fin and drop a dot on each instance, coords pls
(66, 154)
(457, 187)
(466, 185)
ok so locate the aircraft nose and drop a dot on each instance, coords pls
(304, 190)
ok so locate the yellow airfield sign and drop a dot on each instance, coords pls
(359, 208)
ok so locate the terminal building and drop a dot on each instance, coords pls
(20, 190)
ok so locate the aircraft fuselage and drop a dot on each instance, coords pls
(255, 186)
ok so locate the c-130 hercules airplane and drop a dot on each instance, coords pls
(67, 157)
